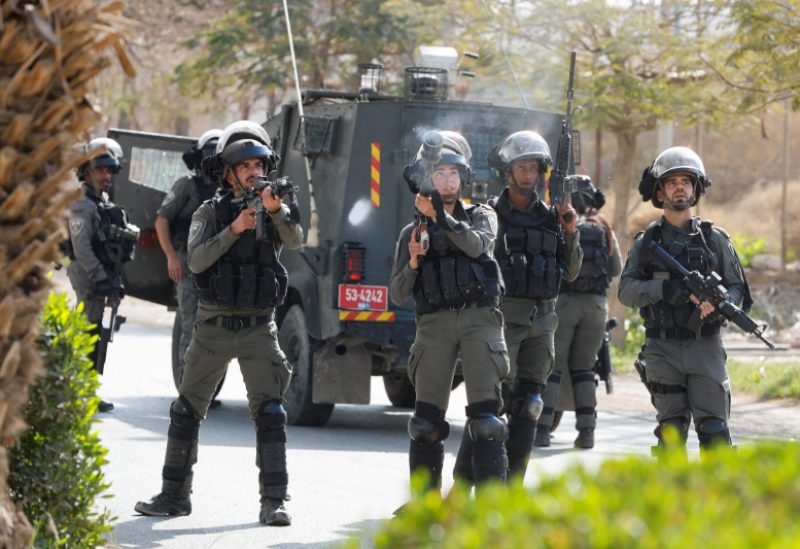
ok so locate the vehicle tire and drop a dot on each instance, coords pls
(399, 389)
(177, 367)
(299, 349)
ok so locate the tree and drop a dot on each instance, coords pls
(638, 64)
(49, 58)
(245, 53)
(762, 68)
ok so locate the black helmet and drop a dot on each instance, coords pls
(204, 147)
(524, 145)
(585, 195)
(110, 155)
(670, 161)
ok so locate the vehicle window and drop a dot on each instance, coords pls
(155, 168)
(481, 142)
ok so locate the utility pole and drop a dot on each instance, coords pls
(785, 183)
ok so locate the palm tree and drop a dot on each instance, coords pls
(50, 54)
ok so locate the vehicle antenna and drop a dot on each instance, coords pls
(311, 236)
(508, 61)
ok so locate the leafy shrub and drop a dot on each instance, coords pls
(746, 497)
(748, 247)
(56, 467)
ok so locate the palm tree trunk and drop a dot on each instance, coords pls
(50, 59)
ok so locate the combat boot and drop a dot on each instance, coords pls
(273, 513)
(173, 500)
(542, 438)
(585, 439)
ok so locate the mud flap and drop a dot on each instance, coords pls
(342, 373)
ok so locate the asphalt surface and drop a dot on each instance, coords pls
(346, 478)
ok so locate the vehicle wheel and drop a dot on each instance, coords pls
(177, 367)
(556, 419)
(299, 348)
(399, 389)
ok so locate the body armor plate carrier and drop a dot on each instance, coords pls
(249, 274)
(595, 274)
(693, 252)
(528, 249)
(449, 279)
(179, 227)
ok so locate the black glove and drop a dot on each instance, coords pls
(674, 292)
(104, 287)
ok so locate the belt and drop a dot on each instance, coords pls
(488, 302)
(681, 333)
(544, 307)
(236, 323)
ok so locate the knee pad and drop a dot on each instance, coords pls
(713, 430)
(271, 416)
(483, 423)
(680, 424)
(427, 425)
(526, 400)
(184, 423)
(485, 428)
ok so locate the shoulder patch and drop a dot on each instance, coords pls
(195, 228)
(170, 196)
(76, 225)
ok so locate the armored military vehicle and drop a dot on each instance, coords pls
(337, 326)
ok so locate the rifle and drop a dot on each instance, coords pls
(560, 186)
(277, 186)
(602, 366)
(115, 321)
(709, 289)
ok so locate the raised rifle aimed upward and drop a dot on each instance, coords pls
(559, 186)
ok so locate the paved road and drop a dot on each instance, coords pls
(345, 478)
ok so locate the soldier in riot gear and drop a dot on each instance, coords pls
(536, 247)
(240, 282)
(172, 227)
(456, 285)
(582, 309)
(686, 371)
(99, 239)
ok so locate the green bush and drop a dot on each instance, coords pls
(766, 380)
(748, 247)
(748, 497)
(56, 467)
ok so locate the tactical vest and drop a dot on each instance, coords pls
(595, 274)
(528, 249)
(449, 279)
(693, 252)
(199, 192)
(249, 274)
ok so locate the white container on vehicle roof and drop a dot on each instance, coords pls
(439, 57)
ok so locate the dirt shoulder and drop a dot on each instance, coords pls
(751, 419)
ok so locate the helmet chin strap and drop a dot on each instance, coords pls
(529, 192)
